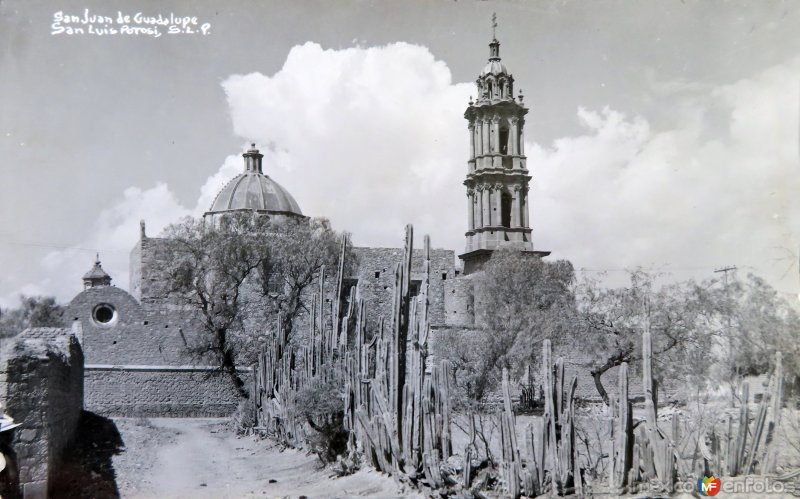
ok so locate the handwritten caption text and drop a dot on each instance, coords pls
(137, 24)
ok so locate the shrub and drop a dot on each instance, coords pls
(320, 403)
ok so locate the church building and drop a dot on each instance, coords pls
(135, 342)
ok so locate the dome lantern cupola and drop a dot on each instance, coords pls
(253, 191)
(96, 276)
(252, 160)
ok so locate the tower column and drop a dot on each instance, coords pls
(521, 138)
(498, 200)
(514, 136)
(485, 133)
(487, 220)
(471, 211)
(495, 135)
(525, 220)
(515, 208)
(472, 140)
(476, 209)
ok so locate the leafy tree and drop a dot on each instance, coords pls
(34, 311)
(239, 273)
(520, 301)
(298, 253)
(753, 322)
(681, 317)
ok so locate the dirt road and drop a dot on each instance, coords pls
(201, 458)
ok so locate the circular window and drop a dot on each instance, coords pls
(104, 314)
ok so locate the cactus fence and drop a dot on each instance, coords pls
(397, 413)
(396, 404)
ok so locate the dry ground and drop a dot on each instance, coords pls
(202, 458)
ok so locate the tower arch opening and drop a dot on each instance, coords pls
(504, 137)
(505, 209)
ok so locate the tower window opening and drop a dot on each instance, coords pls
(489, 89)
(503, 140)
(505, 210)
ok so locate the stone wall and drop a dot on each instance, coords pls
(374, 273)
(139, 363)
(160, 391)
(146, 259)
(150, 334)
(459, 302)
(41, 385)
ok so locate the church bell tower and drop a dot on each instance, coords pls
(497, 175)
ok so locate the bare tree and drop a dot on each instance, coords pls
(238, 274)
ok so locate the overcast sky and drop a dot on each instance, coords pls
(661, 134)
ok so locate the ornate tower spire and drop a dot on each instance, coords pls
(497, 175)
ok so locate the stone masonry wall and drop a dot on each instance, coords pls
(41, 385)
(146, 259)
(459, 302)
(375, 275)
(159, 391)
(138, 334)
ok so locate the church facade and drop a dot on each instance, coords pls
(135, 342)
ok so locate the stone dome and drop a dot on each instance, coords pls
(254, 191)
(494, 67)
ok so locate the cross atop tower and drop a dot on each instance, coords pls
(494, 25)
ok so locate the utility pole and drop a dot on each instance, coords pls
(734, 385)
(726, 270)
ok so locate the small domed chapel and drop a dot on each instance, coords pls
(135, 341)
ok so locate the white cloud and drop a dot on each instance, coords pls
(693, 197)
(374, 138)
(231, 167)
(114, 232)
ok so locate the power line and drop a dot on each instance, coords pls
(726, 270)
(665, 268)
(54, 246)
